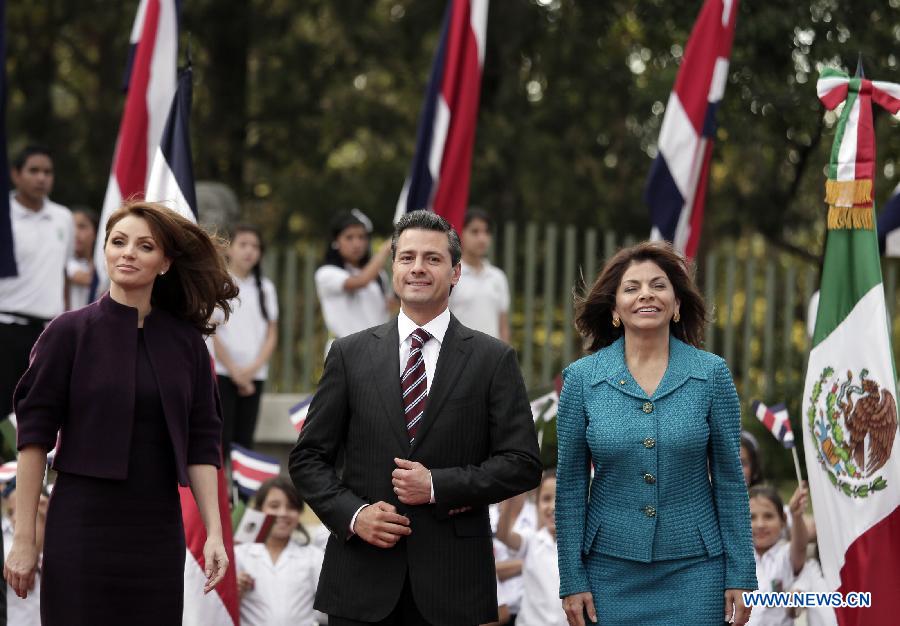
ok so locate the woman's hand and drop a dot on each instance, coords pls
(216, 560)
(20, 567)
(245, 583)
(575, 606)
(734, 606)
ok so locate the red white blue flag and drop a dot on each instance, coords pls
(172, 173)
(776, 419)
(150, 83)
(297, 413)
(441, 167)
(250, 469)
(676, 186)
(889, 226)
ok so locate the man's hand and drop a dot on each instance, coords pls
(412, 482)
(380, 525)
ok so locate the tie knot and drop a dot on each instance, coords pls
(419, 336)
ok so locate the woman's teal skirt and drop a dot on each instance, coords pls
(680, 591)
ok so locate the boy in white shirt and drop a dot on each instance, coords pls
(540, 571)
(481, 298)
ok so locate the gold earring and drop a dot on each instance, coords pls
(616, 321)
(677, 317)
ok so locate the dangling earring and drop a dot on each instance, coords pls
(616, 321)
(334, 245)
(677, 317)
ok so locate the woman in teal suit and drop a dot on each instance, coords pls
(661, 535)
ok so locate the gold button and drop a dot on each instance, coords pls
(648, 407)
(649, 511)
(649, 479)
(649, 442)
(622, 382)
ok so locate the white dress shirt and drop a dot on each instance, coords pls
(774, 572)
(540, 574)
(437, 328)
(283, 591)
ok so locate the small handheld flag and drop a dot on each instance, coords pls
(250, 469)
(298, 412)
(776, 419)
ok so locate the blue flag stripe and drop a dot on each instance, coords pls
(176, 139)
(420, 181)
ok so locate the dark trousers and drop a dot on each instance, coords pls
(16, 341)
(239, 413)
(406, 613)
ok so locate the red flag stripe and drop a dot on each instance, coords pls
(870, 564)
(131, 153)
(254, 474)
(460, 90)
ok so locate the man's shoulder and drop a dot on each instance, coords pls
(484, 343)
(363, 338)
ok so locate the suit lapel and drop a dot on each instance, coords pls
(454, 354)
(384, 350)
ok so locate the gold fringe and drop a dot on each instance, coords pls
(846, 193)
(851, 218)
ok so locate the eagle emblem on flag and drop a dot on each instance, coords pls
(853, 424)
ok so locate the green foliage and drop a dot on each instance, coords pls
(305, 108)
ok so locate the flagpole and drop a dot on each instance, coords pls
(796, 464)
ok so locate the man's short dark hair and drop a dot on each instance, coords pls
(428, 220)
(477, 213)
(29, 151)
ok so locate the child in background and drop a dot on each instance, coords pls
(540, 571)
(80, 268)
(778, 562)
(25, 611)
(750, 464)
(277, 579)
(351, 283)
(243, 346)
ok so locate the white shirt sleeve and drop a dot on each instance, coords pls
(504, 292)
(330, 280)
(271, 297)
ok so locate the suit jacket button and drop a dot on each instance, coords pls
(649, 511)
(649, 442)
(648, 407)
(649, 479)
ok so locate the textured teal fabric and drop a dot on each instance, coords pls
(668, 482)
(679, 592)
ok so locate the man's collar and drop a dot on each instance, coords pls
(22, 210)
(437, 327)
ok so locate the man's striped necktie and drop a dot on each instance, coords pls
(414, 383)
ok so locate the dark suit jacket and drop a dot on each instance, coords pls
(478, 439)
(80, 384)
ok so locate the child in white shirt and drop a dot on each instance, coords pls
(778, 562)
(277, 579)
(540, 571)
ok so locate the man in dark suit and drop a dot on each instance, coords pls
(431, 424)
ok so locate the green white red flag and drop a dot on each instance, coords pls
(849, 399)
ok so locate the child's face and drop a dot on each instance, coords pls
(286, 515)
(84, 235)
(766, 523)
(244, 252)
(476, 238)
(546, 505)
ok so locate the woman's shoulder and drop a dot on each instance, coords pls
(709, 361)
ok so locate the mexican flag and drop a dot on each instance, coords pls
(850, 395)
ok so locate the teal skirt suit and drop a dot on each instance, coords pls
(664, 526)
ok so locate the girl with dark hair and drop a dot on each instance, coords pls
(778, 562)
(124, 389)
(244, 344)
(351, 282)
(277, 579)
(750, 461)
(80, 267)
(660, 421)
